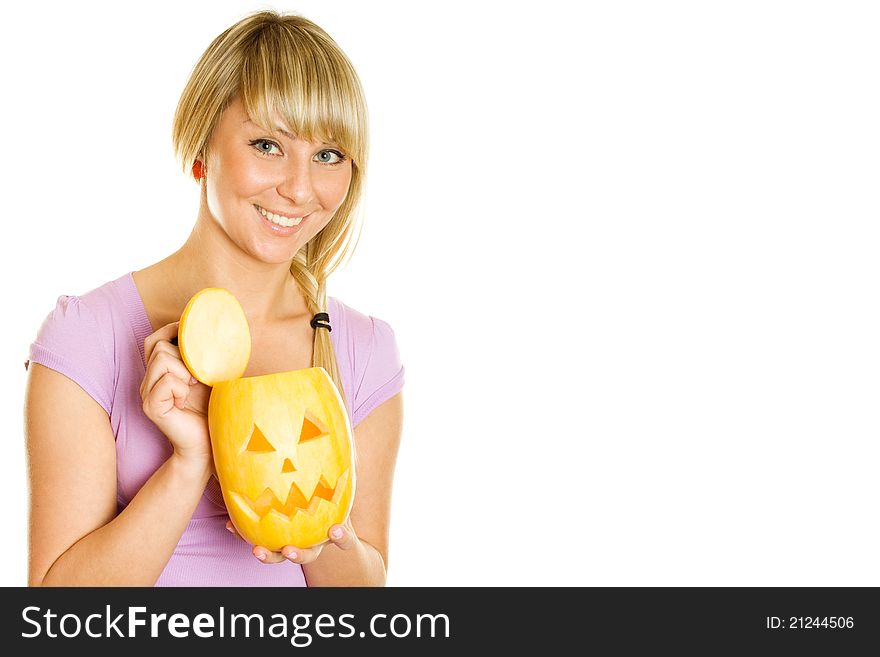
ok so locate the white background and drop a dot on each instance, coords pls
(629, 251)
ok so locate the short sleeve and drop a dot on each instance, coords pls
(70, 341)
(383, 374)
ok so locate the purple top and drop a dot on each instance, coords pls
(97, 340)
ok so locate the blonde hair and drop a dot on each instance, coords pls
(284, 65)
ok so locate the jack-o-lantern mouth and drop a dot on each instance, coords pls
(296, 502)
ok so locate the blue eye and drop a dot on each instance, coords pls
(260, 143)
(327, 157)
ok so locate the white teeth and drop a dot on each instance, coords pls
(277, 219)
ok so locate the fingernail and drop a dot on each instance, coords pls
(229, 528)
(193, 380)
(289, 554)
(336, 533)
(260, 556)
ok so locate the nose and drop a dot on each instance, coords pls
(297, 184)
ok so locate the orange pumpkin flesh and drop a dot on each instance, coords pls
(213, 336)
(282, 447)
(282, 443)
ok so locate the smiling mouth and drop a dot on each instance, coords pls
(278, 219)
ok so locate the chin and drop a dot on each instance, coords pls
(274, 258)
(273, 251)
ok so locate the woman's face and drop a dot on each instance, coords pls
(260, 184)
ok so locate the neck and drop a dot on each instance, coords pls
(208, 258)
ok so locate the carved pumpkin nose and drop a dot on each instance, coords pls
(287, 466)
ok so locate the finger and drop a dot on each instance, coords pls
(161, 364)
(301, 555)
(168, 392)
(342, 537)
(161, 347)
(165, 351)
(266, 555)
(168, 357)
(165, 333)
(230, 527)
(167, 347)
(153, 379)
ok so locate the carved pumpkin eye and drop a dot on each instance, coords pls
(259, 442)
(310, 430)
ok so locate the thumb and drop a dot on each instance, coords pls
(342, 537)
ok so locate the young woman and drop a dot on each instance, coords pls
(273, 126)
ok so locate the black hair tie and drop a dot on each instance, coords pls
(321, 320)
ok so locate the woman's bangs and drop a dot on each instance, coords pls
(306, 91)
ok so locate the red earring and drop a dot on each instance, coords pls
(198, 170)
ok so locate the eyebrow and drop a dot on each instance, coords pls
(289, 135)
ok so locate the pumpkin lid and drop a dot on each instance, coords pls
(213, 336)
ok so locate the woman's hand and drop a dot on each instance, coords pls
(342, 536)
(174, 400)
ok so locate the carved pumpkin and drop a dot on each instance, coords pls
(282, 442)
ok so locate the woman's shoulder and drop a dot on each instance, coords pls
(351, 319)
(370, 345)
(346, 317)
(80, 337)
(95, 312)
(107, 298)
(363, 331)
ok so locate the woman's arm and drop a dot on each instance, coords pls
(76, 537)
(361, 559)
